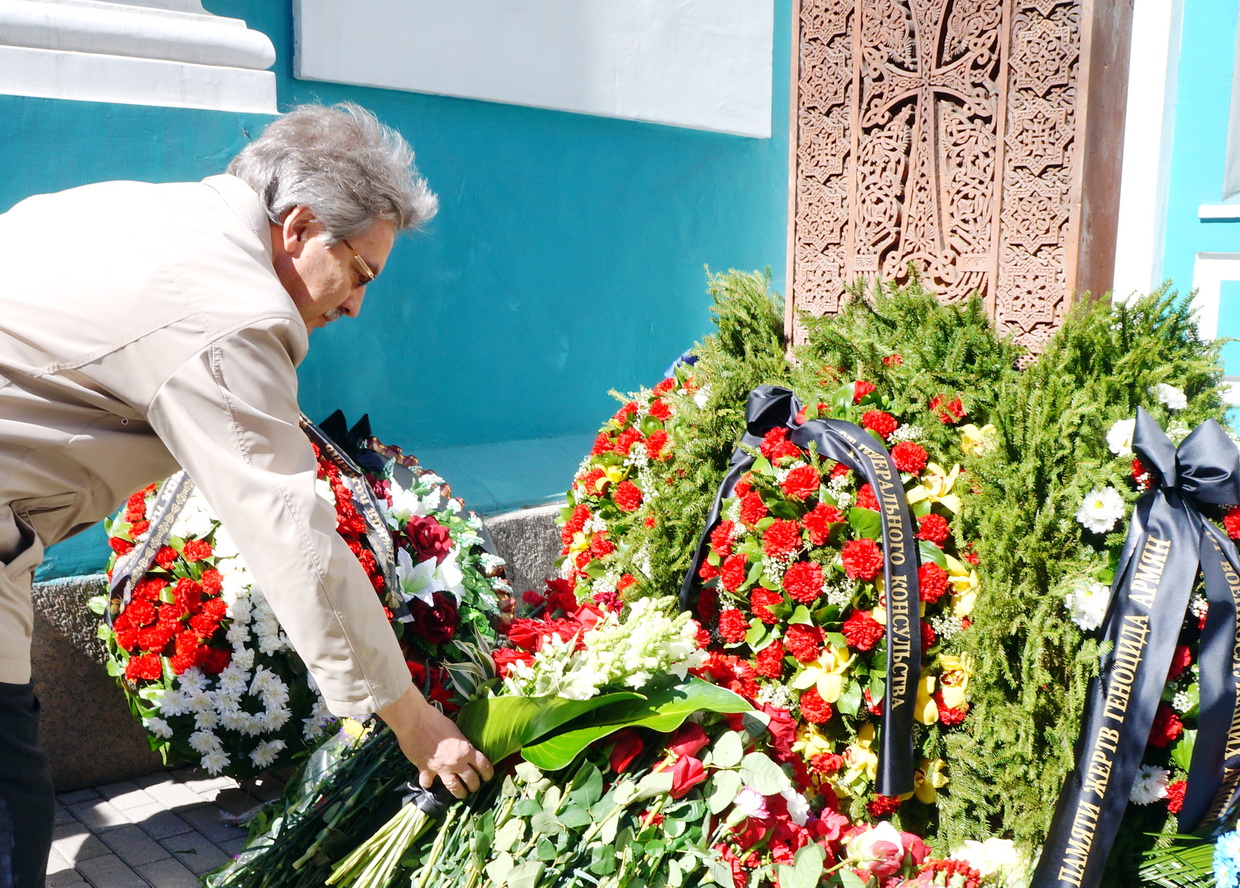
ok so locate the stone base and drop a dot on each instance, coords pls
(86, 727)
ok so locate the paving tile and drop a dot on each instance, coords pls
(171, 794)
(168, 873)
(208, 786)
(99, 814)
(196, 852)
(159, 823)
(66, 879)
(56, 863)
(109, 871)
(63, 815)
(207, 820)
(74, 843)
(112, 790)
(233, 846)
(78, 795)
(134, 846)
(154, 777)
(236, 801)
(129, 796)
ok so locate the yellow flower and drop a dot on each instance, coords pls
(936, 486)
(928, 779)
(975, 440)
(954, 680)
(859, 758)
(964, 581)
(826, 673)
(579, 543)
(810, 742)
(925, 710)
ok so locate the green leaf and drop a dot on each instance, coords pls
(664, 709)
(499, 726)
(499, 869)
(546, 823)
(526, 875)
(758, 635)
(806, 869)
(588, 790)
(727, 751)
(849, 879)
(722, 790)
(801, 615)
(720, 873)
(849, 702)
(545, 850)
(575, 817)
(866, 523)
(1182, 751)
(509, 834)
(763, 775)
(921, 508)
(931, 553)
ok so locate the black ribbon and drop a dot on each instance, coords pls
(1168, 540)
(133, 565)
(770, 407)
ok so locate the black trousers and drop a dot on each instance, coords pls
(27, 799)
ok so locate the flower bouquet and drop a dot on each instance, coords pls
(198, 651)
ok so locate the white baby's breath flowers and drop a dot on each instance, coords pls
(1087, 603)
(907, 433)
(1119, 438)
(1149, 786)
(1100, 509)
(1170, 396)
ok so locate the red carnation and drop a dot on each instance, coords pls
(623, 414)
(625, 581)
(950, 716)
(948, 412)
(146, 667)
(214, 661)
(800, 483)
(881, 423)
(655, 444)
(708, 605)
(196, 550)
(933, 581)
(149, 589)
(818, 522)
(814, 709)
(826, 763)
(1166, 728)
(707, 571)
(721, 539)
(601, 547)
(761, 600)
(212, 581)
(626, 439)
(933, 529)
(1175, 796)
(771, 442)
(733, 627)
(659, 409)
(861, 388)
(665, 385)
(139, 527)
(782, 538)
(883, 806)
(602, 444)
(753, 509)
(862, 630)
(741, 490)
(628, 496)
(893, 360)
(769, 662)
(862, 559)
(1232, 523)
(119, 546)
(803, 581)
(928, 637)
(909, 457)
(866, 498)
(735, 572)
(804, 642)
(576, 521)
(1181, 659)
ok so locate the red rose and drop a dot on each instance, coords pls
(733, 626)
(801, 483)
(933, 529)
(689, 739)
(436, 623)
(909, 457)
(505, 657)
(803, 581)
(753, 509)
(866, 498)
(769, 662)
(627, 746)
(933, 581)
(862, 630)
(721, 539)
(735, 572)
(628, 496)
(862, 559)
(687, 773)
(814, 709)
(1167, 727)
(429, 538)
(881, 423)
(1181, 659)
(818, 522)
(782, 538)
(761, 600)
(804, 642)
(861, 388)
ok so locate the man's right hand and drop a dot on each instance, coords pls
(435, 746)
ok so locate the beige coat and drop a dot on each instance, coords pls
(141, 327)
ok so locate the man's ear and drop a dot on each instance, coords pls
(298, 227)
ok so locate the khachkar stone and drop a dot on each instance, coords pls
(978, 140)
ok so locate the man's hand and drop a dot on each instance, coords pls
(430, 740)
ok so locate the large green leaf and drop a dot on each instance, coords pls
(499, 726)
(664, 709)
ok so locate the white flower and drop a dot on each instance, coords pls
(158, 727)
(1169, 395)
(1100, 510)
(264, 754)
(203, 742)
(994, 857)
(199, 701)
(751, 803)
(171, 703)
(206, 719)
(215, 762)
(1150, 785)
(798, 807)
(1087, 603)
(1119, 438)
(417, 580)
(701, 396)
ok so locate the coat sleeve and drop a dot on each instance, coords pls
(229, 416)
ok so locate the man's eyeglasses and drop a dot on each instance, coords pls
(368, 275)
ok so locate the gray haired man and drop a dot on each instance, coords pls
(144, 327)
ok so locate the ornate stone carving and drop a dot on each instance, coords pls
(942, 133)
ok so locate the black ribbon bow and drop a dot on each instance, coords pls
(1168, 540)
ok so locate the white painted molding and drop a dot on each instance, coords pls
(703, 64)
(1149, 126)
(1223, 212)
(157, 52)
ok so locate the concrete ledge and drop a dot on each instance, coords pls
(86, 728)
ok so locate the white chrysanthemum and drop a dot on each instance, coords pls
(193, 680)
(158, 727)
(994, 858)
(1087, 603)
(243, 658)
(199, 701)
(171, 702)
(232, 680)
(1119, 438)
(215, 762)
(225, 548)
(237, 720)
(203, 742)
(265, 754)
(196, 519)
(1169, 395)
(1149, 786)
(1100, 509)
(206, 719)
(798, 808)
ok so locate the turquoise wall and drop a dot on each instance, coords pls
(1199, 148)
(567, 259)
